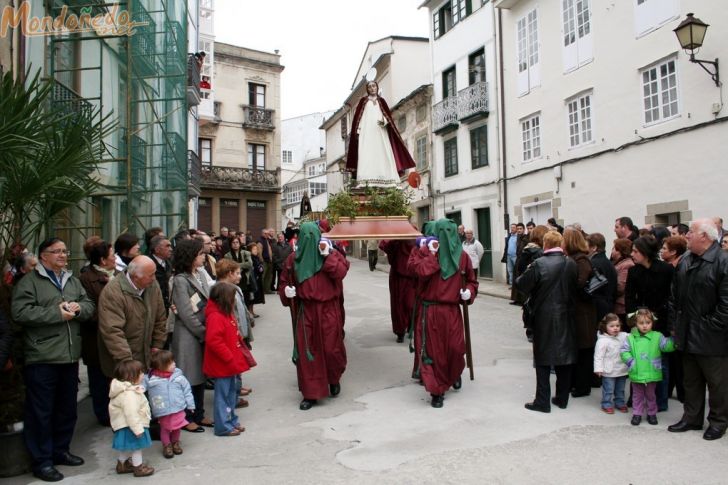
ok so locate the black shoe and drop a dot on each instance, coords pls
(458, 383)
(580, 393)
(306, 404)
(68, 460)
(437, 400)
(400, 338)
(636, 420)
(48, 474)
(713, 433)
(557, 402)
(682, 426)
(334, 389)
(652, 419)
(534, 407)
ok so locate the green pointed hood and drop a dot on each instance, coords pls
(428, 228)
(450, 246)
(308, 260)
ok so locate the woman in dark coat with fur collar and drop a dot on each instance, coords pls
(550, 283)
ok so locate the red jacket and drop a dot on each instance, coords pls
(223, 353)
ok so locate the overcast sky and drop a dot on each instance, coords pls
(321, 41)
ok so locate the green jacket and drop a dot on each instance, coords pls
(47, 338)
(643, 355)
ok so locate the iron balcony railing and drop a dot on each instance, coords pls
(67, 102)
(445, 114)
(237, 178)
(258, 118)
(193, 81)
(473, 101)
(194, 174)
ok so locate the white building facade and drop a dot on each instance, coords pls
(465, 156)
(606, 117)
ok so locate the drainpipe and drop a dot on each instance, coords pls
(502, 114)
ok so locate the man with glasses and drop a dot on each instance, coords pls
(49, 304)
(699, 313)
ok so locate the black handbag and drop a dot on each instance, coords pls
(595, 283)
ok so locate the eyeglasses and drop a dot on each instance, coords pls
(58, 251)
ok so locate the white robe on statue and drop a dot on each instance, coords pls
(376, 164)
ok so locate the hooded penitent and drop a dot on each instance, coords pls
(450, 247)
(308, 260)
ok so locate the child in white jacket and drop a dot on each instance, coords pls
(608, 363)
(130, 415)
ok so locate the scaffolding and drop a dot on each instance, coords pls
(142, 81)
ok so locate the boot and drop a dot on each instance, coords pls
(143, 470)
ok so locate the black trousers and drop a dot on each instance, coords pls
(98, 386)
(543, 384)
(676, 375)
(373, 257)
(198, 394)
(583, 371)
(699, 371)
(50, 410)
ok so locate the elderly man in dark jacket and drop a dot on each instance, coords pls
(699, 313)
(550, 284)
(49, 304)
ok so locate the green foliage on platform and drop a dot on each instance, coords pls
(370, 201)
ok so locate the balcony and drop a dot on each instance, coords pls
(209, 109)
(473, 102)
(445, 116)
(194, 174)
(68, 103)
(193, 81)
(237, 178)
(258, 118)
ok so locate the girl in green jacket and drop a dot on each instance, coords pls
(642, 352)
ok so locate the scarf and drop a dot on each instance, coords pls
(162, 373)
(308, 260)
(108, 272)
(450, 247)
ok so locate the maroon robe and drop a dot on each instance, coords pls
(438, 313)
(401, 283)
(319, 328)
(402, 157)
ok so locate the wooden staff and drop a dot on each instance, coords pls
(466, 323)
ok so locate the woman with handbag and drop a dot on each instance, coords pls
(550, 284)
(189, 297)
(603, 295)
(575, 246)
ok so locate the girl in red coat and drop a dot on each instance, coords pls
(225, 356)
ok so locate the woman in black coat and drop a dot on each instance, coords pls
(532, 251)
(604, 297)
(550, 283)
(648, 286)
(585, 313)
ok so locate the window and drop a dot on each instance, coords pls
(529, 72)
(449, 88)
(421, 151)
(476, 67)
(442, 20)
(205, 149)
(577, 48)
(343, 128)
(206, 47)
(316, 188)
(479, 147)
(531, 137)
(650, 15)
(421, 113)
(460, 10)
(287, 156)
(659, 91)
(451, 157)
(580, 120)
(256, 95)
(256, 156)
(402, 123)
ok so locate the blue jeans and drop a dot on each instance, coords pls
(510, 267)
(226, 397)
(613, 388)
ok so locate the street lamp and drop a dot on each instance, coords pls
(690, 33)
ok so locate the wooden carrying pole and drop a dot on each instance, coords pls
(466, 323)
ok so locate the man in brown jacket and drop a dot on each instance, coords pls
(132, 316)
